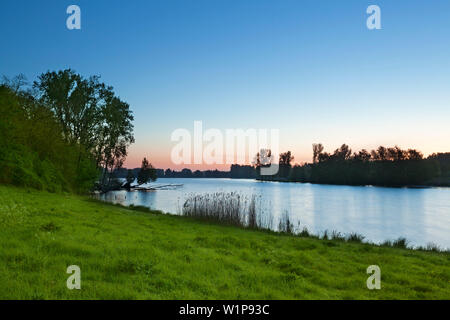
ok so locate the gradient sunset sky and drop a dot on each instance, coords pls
(309, 68)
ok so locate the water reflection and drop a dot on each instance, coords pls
(420, 215)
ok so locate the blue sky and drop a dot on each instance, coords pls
(309, 68)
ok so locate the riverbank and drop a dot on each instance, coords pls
(128, 254)
(435, 183)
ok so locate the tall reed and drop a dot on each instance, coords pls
(228, 208)
(245, 211)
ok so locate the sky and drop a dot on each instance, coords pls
(311, 69)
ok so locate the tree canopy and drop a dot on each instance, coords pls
(147, 172)
(65, 126)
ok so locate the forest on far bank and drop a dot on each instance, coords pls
(385, 166)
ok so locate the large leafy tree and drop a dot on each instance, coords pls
(114, 135)
(91, 116)
(75, 101)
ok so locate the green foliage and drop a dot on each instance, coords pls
(91, 116)
(63, 135)
(354, 237)
(128, 254)
(33, 152)
(400, 243)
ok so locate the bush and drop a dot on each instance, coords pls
(400, 243)
(32, 150)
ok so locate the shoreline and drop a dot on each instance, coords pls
(326, 235)
(127, 254)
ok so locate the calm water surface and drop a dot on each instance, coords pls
(420, 215)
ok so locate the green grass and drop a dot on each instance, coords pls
(130, 254)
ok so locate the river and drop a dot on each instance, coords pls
(420, 215)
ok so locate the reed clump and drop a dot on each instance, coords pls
(245, 211)
(285, 224)
(228, 208)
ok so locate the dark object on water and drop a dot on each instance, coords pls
(127, 186)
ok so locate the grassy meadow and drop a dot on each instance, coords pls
(129, 254)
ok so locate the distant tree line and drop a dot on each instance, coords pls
(383, 167)
(169, 173)
(65, 132)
